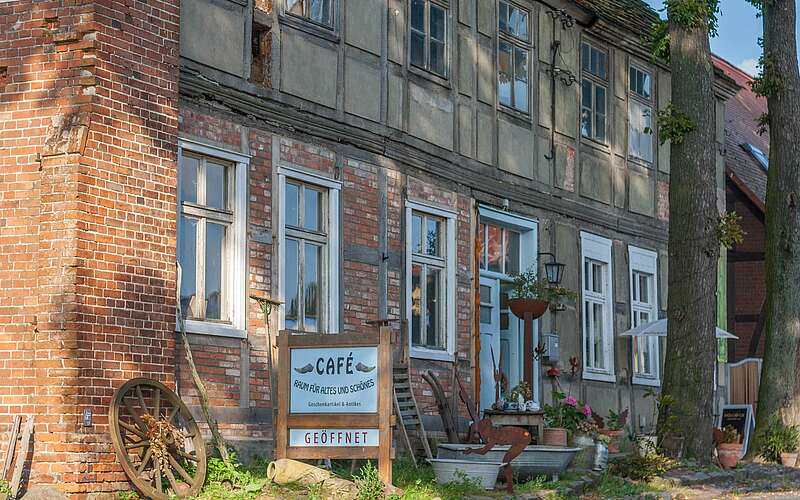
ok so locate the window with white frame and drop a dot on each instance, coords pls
(644, 309)
(640, 115)
(500, 249)
(428, 35)
(308, 239)
(594, 85)
(316, 11)
(513, 53)
(597, 308)
(212, 201)
(430, 280)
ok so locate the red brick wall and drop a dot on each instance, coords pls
(89, 118)
(745, 275)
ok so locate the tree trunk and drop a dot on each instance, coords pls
(693, 245)
(779, 393)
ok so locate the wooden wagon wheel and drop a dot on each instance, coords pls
(156, 440)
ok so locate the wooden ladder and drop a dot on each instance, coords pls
(408, 418)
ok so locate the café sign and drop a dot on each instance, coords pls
(335, 397)
(338, 380)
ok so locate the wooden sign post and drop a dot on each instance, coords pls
(335, 397)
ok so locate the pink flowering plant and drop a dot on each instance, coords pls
(566, 412)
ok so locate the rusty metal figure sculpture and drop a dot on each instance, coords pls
(517, 437)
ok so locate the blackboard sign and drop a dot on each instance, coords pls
(740, 417)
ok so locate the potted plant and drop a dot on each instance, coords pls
(562, 417)
(613, 428)
(780, 442)
(729, 446)
(532, 294)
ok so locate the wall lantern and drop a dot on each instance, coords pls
(553, 270)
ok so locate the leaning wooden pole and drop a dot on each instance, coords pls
(202, 394)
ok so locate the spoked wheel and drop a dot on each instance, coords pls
(156, 440)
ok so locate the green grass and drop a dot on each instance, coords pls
(616, 487)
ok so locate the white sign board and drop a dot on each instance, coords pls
(333, 437)
(334, 380)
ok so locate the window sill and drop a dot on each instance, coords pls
(521, 117)
(431, 354)
(215, 329)
(640, 162)
(595, 144)
(309, 27)
(599, 376)
(424, 74)
(649, 382)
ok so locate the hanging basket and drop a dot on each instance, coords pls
(537, 307)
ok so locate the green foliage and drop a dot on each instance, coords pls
(616, 421)
(693, 14)
(762, 124)
(616, 487)
(778, 438)
(5, 489)
(419, 483)
(528, 285)
(565, 412)
(673, 125)
(523, 388)
(234, 481)
(729, 231)
(642, 468)
(370, 486)
(658, 41)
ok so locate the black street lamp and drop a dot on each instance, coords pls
(553, 270)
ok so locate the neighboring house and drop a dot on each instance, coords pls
(746, 164)
(354, 159)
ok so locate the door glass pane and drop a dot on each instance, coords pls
(521, 79)
(597, 321)
(311, 287)
(434, 302)
(189, 166)
(494, 249)
(486, 294)
(504, 73)
(416, 304)
(482, 236)
(292, 203)
(416, 234)
(512, 252)
(216, 186)
(486, 315)
(433, 237)
(215, 240)
(291, 277)
(187, 256)
(312, 201)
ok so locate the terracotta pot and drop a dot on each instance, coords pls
(613, 445)
(789, 459)
(729, 454)
(536, 307)
(554, 436)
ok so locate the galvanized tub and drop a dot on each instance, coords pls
(455, 471)
(535, 461)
